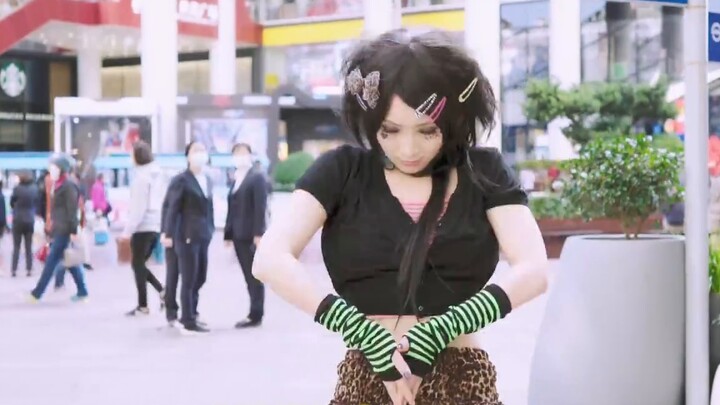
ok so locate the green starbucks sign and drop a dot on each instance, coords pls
(12, 78)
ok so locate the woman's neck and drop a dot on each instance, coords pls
(196, 170)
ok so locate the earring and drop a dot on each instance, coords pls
(389, 165)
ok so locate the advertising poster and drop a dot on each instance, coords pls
(93, 137)
(220, 134)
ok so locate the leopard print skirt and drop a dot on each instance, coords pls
(462, 376)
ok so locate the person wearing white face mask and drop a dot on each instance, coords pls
(189, 228)
(64, 226)
(245, 225)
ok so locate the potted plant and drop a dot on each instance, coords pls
(290, 170)
(613, 330)
(714, 273)
(597, 109)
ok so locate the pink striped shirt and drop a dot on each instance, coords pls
(414, 209)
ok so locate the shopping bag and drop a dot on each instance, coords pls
(123, 250)
(74, 254)
(42, 253)
(158, 252)
(39, 237)
(101, 237)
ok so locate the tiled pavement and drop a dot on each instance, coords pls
(60, 353)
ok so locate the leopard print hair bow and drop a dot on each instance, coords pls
(365, 89)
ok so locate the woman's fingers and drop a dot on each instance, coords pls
(405, 392)
(391, 388)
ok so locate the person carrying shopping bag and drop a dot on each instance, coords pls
(64, 227)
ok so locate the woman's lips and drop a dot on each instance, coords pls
(411, 163)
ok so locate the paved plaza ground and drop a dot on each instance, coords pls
(60, 353)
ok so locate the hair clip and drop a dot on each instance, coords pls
(365, 89)
(371, 94)
(468, 90)
(425, 106)
(438, 109)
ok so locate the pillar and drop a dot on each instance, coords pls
(222, 54)
(159, 66)
(89, 66)
(482, 39)
(380, 16)
(618, 19)
(565, 65)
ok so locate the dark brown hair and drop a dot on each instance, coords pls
(142, 153)
(413, 68)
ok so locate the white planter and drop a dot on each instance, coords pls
(614, 326)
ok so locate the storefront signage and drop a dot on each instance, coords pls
(203, 12)
(12, 79)
(18, 116)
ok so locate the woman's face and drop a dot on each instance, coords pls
(242, 158)
(197, 155)
(410, 143)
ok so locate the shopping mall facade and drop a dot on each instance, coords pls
(269, 68)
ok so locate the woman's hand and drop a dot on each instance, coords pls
(413, 381)
(401, 391)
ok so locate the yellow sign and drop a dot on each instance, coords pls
(343, 30)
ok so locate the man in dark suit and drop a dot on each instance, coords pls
(245, 225)
(190, 208)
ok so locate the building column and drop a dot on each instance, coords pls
(89, 67)
(222, 54)
(482, 39)
(159, 66)
(565, 65)
(381, 16)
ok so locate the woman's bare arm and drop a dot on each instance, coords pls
(521, 242)
(276, 260)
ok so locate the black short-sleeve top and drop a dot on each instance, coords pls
(366, 226)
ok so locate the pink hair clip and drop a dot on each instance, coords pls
(438, 109)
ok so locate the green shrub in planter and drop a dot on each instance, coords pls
(290, 170)
(624, 178)
(549, 207)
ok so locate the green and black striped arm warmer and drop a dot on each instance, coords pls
(358, 332)
(428, 339)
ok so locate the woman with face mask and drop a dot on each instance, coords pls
(245, 225)
(64, 211)
(189, 228)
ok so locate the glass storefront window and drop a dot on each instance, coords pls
(429, 3)
(316, 68)
(193, 78)
(524, 56)
(635, 42)
(291, 9)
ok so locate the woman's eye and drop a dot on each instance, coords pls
(385, 132)
(429, 133)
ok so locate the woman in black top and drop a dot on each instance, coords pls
(412, 228)
(188, 229)
(24, 202)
